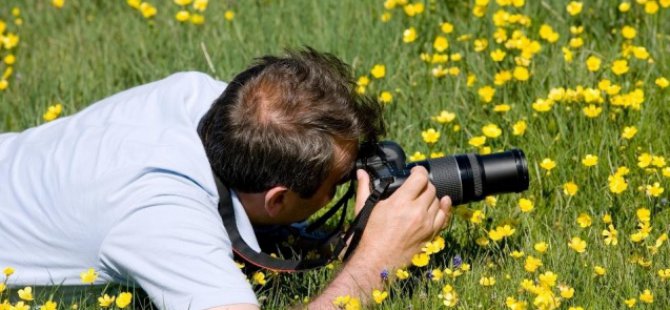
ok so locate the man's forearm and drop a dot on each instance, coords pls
(359, 277)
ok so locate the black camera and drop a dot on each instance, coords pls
(463, 177)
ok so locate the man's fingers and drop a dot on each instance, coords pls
(415, 184)
(444, 214)
(362, 190)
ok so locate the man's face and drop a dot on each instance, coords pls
(298, 208)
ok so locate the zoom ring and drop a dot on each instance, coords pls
(445, 176)
(476, 175)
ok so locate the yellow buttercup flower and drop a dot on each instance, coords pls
(8, 271)
(183, 2)
(574, 7)
(593, 63)
(487, 281)
(378, 71)
(447, 27)
(430, 136)
(106, 301)
(379, 296)
(620, 67)
(148, 10)
(541, 247)
(647, 297)
(590, 160)
(385, 97)
(532, 263)
(402, 274)
(182, 15)
(440, 44)
(420, 259)
(584, 220)
(629, 132)
(599, 270)
(26, 293)
(521, 73)
(89, 276)
(200, 5)
(259, 278)
(548, 164)
(662, 82)
(491, 131)
(49, 305)
(409, 35)
(498, 55)
(486, 93)
(229, 15)
(477, 141)
(526, 205)
(124, 299)
(628, 32)
(445, 117)
(577, 244)
(58, 3)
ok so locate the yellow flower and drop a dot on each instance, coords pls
(378, 71)
(124, 299)
(568, 56)
(106, 301)
(526, 205)
(3, 84)
(643, 214)
(259, 278)
(385, 97)
(477, 141)
(430, 136)
(548, 33)
(183, 2)
(521, 73)
(584, 220)
(517, 254)
(519, 128)
(379, 296)
(417, 156)
(651, 7)
(8, 271)
(26, 293)
(89, 276)
(590, 160)
(402, 274)
(229, 15)
(3, 286)
(409, 35)
(200, 5)
(182, 16)
(566, 291)
(49, 305)
(53, 112)
(620, 67)
(548, 279)
(440, 44)
(610, 235)
(480, 44)
(532, 263)
(347, 302)
(487, 281)
(593, 63)
(577, 244)
(570, 188)
(624, 7)
(498, 55)
(502, 108)
(628, 32)
(449, 296)
(662, 82)
(574, 7)
(629, 132)
(445, 117)
(647, 297)
(486, 93)
(135, 4)
(477, 217)
(592, 110)
(58, 3)
(654, 190)
(576, 42)
(541, 247)
(447, 27)
(664, 274)
(491, 131)
(148, 10)
(19, 306)
(420, 260)
(385, 17)
(630, 303)
(599, 270)
(548, 164)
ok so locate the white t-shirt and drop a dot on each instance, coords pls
(124, 187)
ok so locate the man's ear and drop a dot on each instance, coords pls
(275, 200)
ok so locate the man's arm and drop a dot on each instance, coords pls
(397, 229)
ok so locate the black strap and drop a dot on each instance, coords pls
(243, 250)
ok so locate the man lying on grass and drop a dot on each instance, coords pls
(127, 185)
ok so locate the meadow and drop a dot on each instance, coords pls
(582, 87)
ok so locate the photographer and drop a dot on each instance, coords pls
(127, 186)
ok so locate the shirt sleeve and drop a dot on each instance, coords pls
(178, 251)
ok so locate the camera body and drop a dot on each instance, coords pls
(462, 177)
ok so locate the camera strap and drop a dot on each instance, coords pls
(266, 261)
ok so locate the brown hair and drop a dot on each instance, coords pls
(280, 122)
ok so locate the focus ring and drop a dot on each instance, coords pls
(445, 176)
(476, 175)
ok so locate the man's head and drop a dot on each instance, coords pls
(293, 122)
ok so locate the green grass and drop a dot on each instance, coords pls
(91, 49)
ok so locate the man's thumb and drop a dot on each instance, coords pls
(363, 189)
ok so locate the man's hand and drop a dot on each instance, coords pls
(397, 229)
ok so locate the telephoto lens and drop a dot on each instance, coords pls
(463, 177)
(471, 177)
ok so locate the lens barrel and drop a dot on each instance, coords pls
(471, 177)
